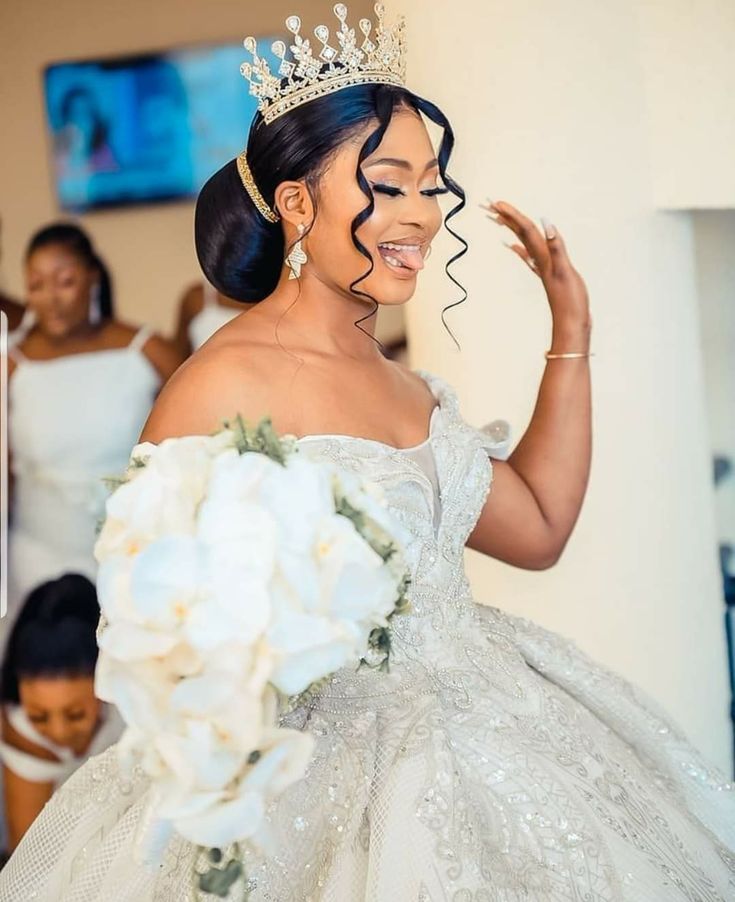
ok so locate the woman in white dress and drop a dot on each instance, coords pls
(51, 720)
(81, 385)
(202, 311)
(495, 763)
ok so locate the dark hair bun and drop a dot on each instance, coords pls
(240, 252)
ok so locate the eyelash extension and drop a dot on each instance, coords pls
(389, 190)
(397, 192)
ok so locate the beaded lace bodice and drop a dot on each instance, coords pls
(436, 490)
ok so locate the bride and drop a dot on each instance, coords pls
(495, 761)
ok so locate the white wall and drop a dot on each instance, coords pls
(548, 106)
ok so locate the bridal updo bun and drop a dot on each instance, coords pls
(240, 252)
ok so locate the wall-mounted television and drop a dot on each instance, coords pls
(146, 128)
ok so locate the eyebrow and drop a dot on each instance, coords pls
(62, 267)
(400, 164)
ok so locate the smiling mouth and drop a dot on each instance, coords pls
(400, 255)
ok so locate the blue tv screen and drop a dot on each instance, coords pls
(146, 128)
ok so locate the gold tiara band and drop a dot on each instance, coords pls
(246, 177)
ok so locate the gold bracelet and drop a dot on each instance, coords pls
(570, 356)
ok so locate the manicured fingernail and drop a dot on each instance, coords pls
(549, 228)
(509, 244)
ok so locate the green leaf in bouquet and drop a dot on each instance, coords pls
(379, 646)
(219, 881)
(290, 703)
(385, 549)
(403, 604)
(343, 507)
(261, 439)
(113, 483)
(373, 534)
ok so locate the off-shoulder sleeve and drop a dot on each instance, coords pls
(496, 439)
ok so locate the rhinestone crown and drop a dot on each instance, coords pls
(378, 58)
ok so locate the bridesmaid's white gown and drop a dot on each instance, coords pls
(495, 763)
(73, 421)
(210, 318)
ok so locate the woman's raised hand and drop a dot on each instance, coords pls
(545, 254)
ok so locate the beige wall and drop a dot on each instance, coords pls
(149, 249)
(687, 54)
(551, 115)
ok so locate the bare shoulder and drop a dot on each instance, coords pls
(117, 334)
(216, 383)
(15, 739)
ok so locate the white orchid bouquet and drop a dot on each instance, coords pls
(235, 575)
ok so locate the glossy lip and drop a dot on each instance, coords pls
(419, 240)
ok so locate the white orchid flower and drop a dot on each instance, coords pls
(213, 819)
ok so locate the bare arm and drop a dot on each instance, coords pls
(537, 494)
(189, 306)
(24, 799)
(163, 355)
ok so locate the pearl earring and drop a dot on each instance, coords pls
(297, 256)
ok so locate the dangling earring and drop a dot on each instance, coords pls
(297, 256)
(95, 311)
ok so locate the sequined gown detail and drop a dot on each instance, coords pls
(495, 763)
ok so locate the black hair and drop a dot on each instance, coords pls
(75, 240)
(53, 635)
(99, 134)
(240, 252)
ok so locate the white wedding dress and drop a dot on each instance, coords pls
(494, 762)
